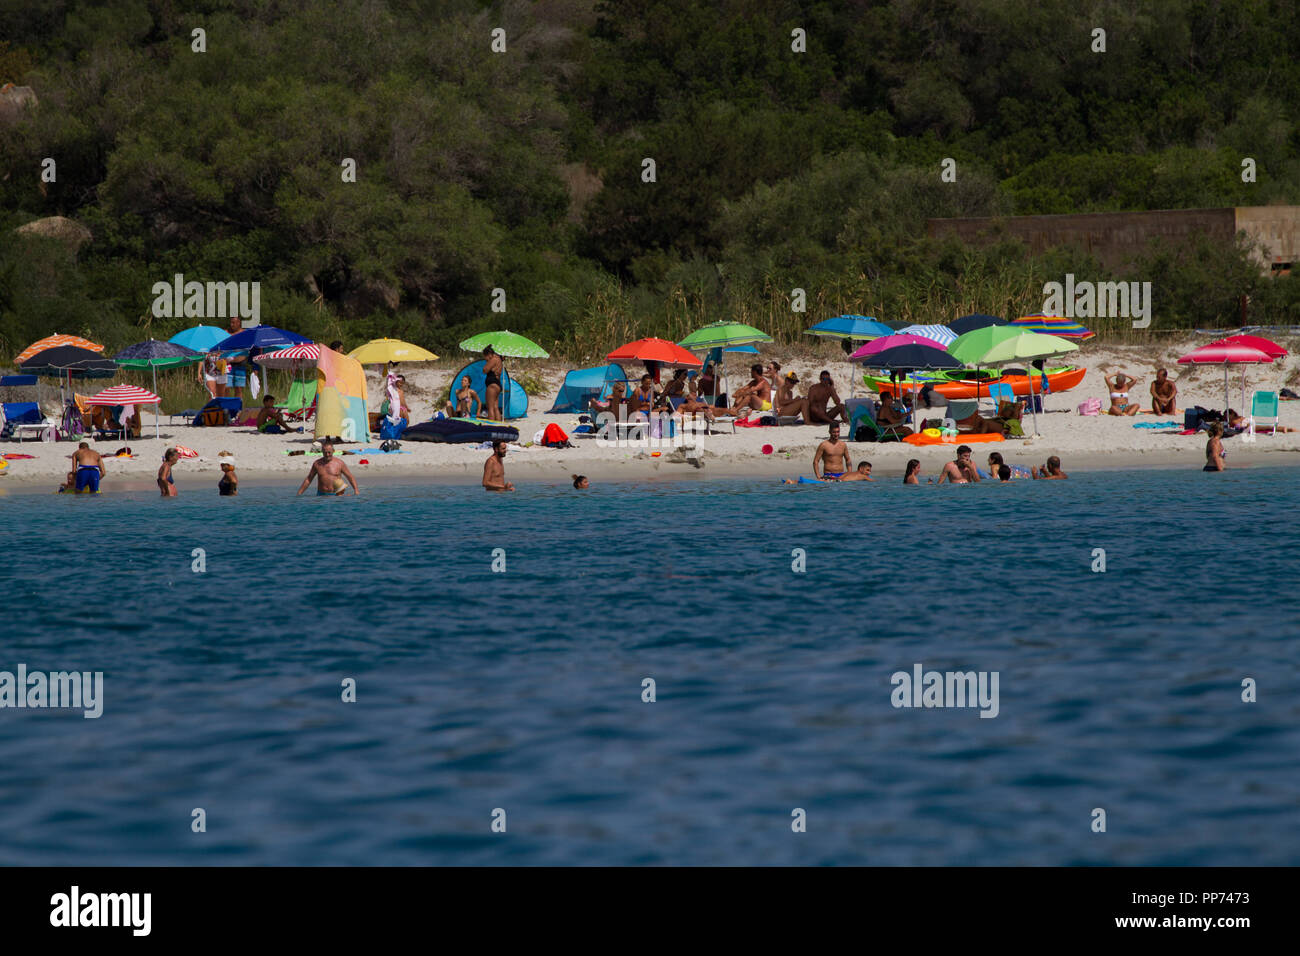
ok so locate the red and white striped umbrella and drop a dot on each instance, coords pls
(125, 395)
(296, 356)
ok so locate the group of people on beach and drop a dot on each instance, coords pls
(831, 462)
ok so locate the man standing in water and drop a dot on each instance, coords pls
(832, 455)
(89, 467)
(329, 473)
(494, 469)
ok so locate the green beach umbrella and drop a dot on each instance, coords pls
(506, 344)
(969, 347)
(1024, 347)
(722, 334)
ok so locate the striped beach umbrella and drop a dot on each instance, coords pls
(939, 333)
(128, 395)
(1057, 325)
(294, 357)
(53, 341)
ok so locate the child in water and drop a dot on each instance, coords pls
(229, 483)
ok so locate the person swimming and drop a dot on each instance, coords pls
(580, 482)
(228, 486)
(167, 484)
(913, 474)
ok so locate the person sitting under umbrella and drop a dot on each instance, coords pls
(691, 404)
(756, 396)
(615, 401)
(270, 420)
(892, 417)
(787, 403)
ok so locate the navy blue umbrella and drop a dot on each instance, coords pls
(71, 360)
(153, 354)
(976, 320)
(267, 336)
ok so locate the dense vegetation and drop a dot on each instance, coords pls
(523, 170)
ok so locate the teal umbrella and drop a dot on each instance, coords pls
(506, 344)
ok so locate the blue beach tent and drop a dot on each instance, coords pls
(514, 401)
(583, 384)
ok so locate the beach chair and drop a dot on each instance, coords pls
(301, 403)
(997, 393)
(1264, 405)
(18, 417)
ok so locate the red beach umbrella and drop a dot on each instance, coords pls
(650, 350)
(128, 395)
(1227, 353)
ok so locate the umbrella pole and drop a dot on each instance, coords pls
(1032, 407)
(157, 409)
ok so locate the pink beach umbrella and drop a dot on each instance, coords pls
(1227, 353)
(1267, 346)
(889, 342)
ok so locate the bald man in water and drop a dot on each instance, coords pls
(329, 473)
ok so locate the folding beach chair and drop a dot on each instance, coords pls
(998, 392)
(1264, 405)
(301, 403)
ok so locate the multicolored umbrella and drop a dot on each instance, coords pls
(723, 334)
(64, 360)
(858, 328)
(384, 351)
(200, 338)
(54, 341)
(1227, 353)
(940, 333)
(506, 344)
(1057, 325)
(153, 355)
(156, 354)
(866, 352)
(974, 321)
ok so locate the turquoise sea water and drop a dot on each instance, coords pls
(522, 690)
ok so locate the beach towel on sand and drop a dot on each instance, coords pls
(1158, 425)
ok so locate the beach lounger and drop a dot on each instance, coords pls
(1264, 412)
(18, 414)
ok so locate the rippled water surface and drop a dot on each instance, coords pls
(522, 690)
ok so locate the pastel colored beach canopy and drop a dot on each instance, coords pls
(655, 350)
(505, 343)
(853, 327)
(200, 338)
(54, 341)
(1026, 346)
(380, 351)
(722, 334)
(970, 347)
(892, 341)
(124, 395)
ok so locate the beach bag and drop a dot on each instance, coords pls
(1090, 406)
(388, 430)
(214, 416)
(553, 436)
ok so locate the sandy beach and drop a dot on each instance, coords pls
(1082, 442)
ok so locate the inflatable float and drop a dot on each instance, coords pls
(924, 439)
(962, 382)
(461, 430)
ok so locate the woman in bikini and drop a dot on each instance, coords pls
(492, 368)
(1119, 384)
(913, 476)
(212, 375)
(1215, 456)
(786, 402)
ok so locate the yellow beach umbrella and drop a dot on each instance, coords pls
(381, 351)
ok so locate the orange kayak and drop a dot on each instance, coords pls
(1060, 380)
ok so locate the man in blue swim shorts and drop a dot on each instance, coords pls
(89, 466)
(832, 456)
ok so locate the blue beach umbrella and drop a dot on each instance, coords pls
(265, 336)
(200, 338)
(861, 328)
(974, 321)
